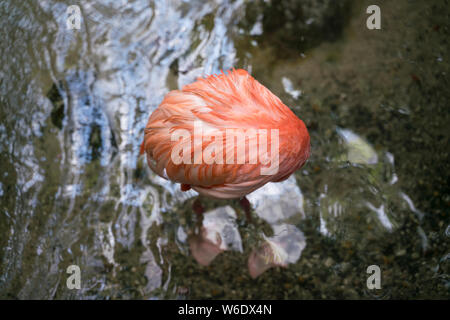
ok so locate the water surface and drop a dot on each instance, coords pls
(74, 191)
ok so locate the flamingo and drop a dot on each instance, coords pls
(188, 141)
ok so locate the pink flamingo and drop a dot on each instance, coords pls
(268, 133)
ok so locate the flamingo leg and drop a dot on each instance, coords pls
(245, 204)
(198, 208)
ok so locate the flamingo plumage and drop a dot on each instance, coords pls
(234, 100)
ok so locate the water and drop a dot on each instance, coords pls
(74, 190)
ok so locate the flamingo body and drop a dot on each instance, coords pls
(232, 101)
